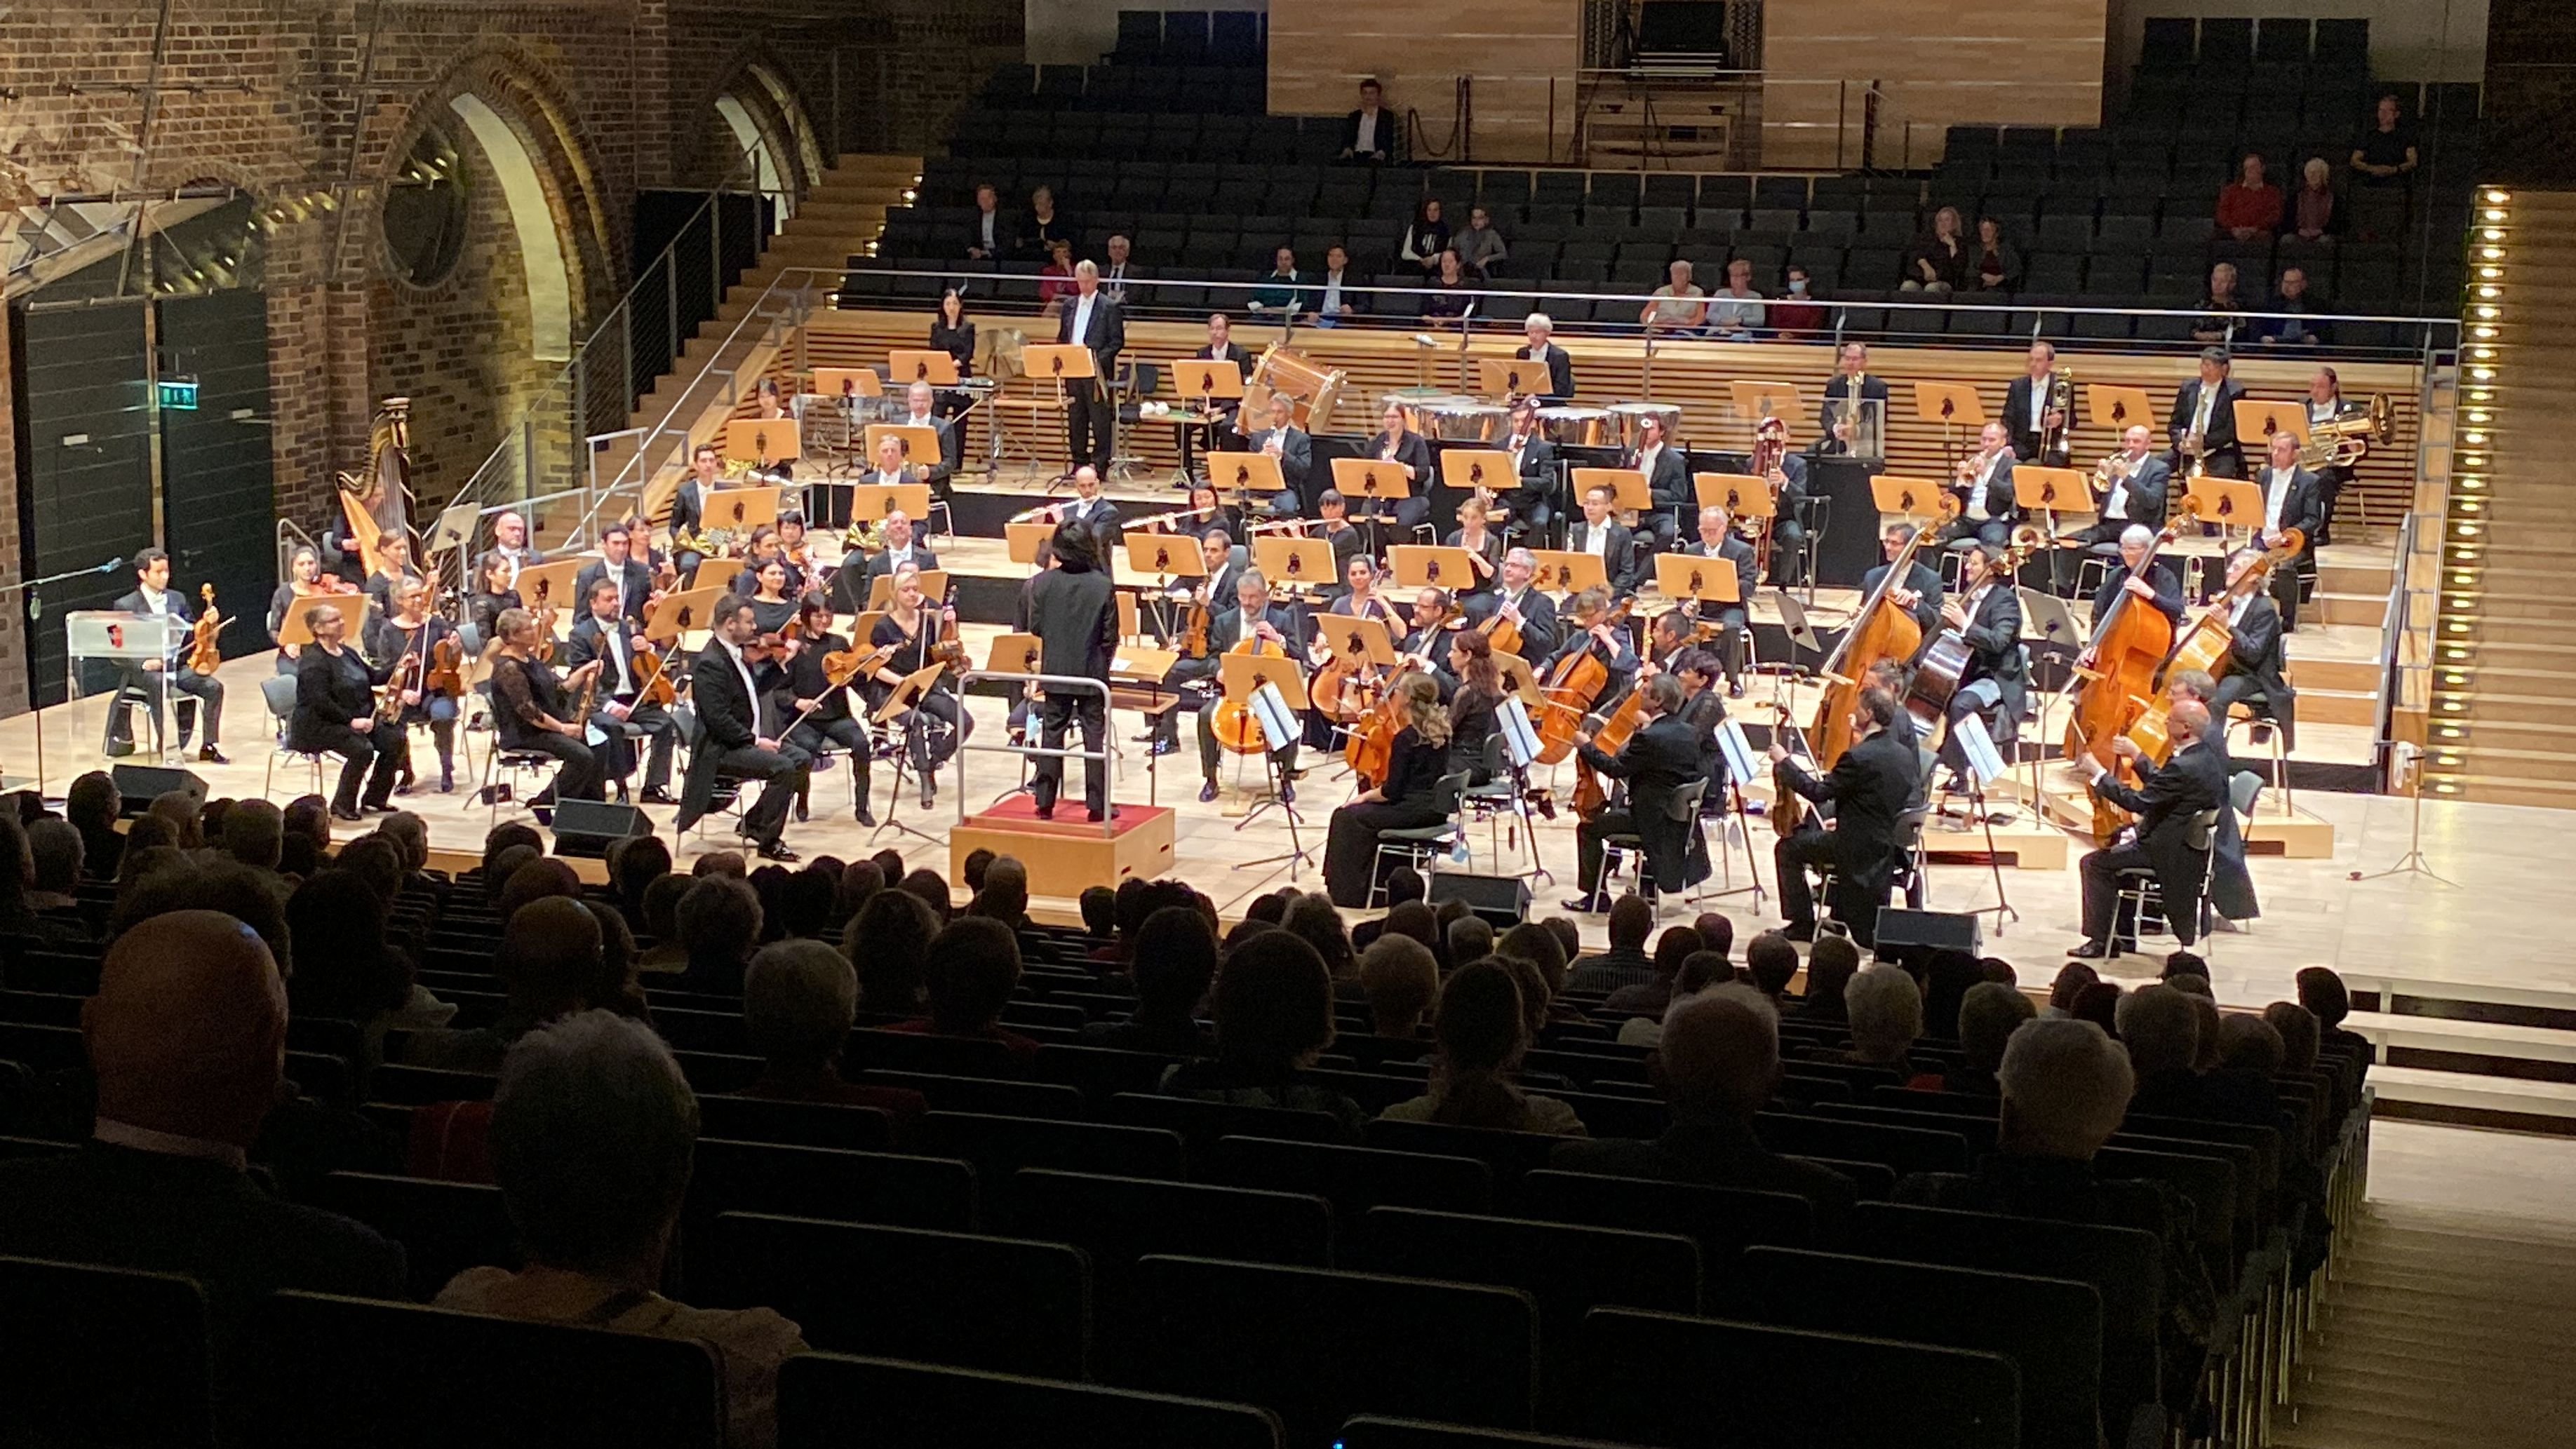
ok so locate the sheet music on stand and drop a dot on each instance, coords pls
(1985, 766)
(1520, 737)
(1737, 750)
(1271, 712)
(1984, 760)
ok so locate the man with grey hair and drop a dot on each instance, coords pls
(1100, 324)
(1517, 598)
(593, 1133)
(2147, 579)
(798, 1001)
(1989, 1013)
(54, 850)
(2168, 802)
(2160, 1025)
(1721, 1061)
(1884, 1009)
(1540, 331)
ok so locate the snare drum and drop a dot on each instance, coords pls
(1626, 419)
(1577, 427)
(1464, 420)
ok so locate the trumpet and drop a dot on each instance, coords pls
(2110, 472)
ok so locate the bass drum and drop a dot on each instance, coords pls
(1313, 388)
(1464, 420)
(1627, 422)
(1575, 427)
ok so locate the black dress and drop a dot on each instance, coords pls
(1413, 774)
(333, 689)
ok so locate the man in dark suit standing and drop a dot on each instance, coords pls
(1668, 482)
(727, 688)
(1539, 330)
(186, 1036)
(1095, 322)
(2291, 500)
(2167, 802)
(1844, 432)
(153, 598)
(1867, 787)
(1372, 133)
(1605, 538)
(2257, 658)
(1721, 1060)
(1221, 347)
(2031, 414)
(2205, 409)
(689, 508)
(1995, 686)
(1534, 473)
(617, 564)
(2138, 487)
(1657, 762)
(1294, 450)
(605, 635)
(1073, 613)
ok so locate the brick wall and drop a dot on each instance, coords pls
(13, 612)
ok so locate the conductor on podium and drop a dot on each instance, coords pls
(1073, 613)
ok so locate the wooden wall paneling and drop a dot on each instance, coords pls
(1521, 55)
(2012, 62)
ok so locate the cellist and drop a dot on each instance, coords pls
(1274, 628)
(1593, 630)
(1660, 759)
(1996, 682)
(1191, 631)
(2141, 573)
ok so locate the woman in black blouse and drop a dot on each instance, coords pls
(1214, 512)
(532, 710)
(1484, 546)
(412, 631)
(304, 569)
(952, 333)
(491, 596)
(771, 604)
(1472, 707)
(1427, 237)
(828, 721)
(335, 713)
(912, 627)
(1447, 299)
(1941, 257)
(1404, 801)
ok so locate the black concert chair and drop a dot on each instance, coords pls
(1901, 1149)
(2142, 893)
(1100, 1073)
(1199, 1124)
(858, 1187)
(1377, 1431)
(793, 1124)
(821, 1396)
(1001, 1304)
(1658, 1378)
(992, 1095)
(331, 1372)
(1335, 1344)
(1509, 1154)
(103, 1356)
(1619, 848)
(1724, 1221)
(1000, 1146)
(444, 1227)
(952, 1056)
(1353, 1179)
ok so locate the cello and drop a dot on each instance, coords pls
(1236, 727)
(2128, 649)
(2207, 645)
(1880, 629)
(1572, 687)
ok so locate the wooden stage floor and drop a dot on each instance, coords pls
(2497, 926)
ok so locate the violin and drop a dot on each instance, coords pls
(1370, 750)
(841, 666)
(1332, 687)
(949, 649)
(203, 655)
(1788, 807)
(1571, 688)
(1194, 636)
(446, 672)
(650, 667)
(544, 653)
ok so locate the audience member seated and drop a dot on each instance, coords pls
(2223, 309)
(798, 1001)
(1771, 963)
(2294, 330)
(1401, 978)
(1679, 305)
(593, 1130)
(54, 853)
(1482, 1033)
(1650, 998)
(1885, 1012)
(1735, 313)
(1480, 247)
(1279, 292)
(2071, 980)
(18, 914)
(2161, 1028)
(1373, 133)
(1447, 292)
(1175, 962)
(661, 924)
(1721, 1062)
(1831, 963)
(2385, 154)
(1274, 1016)
(1699, 971)
(1988, 1016)
(970, 971)
(345, 970)
(1997, 266)
(1314, 919)
(548, 961)
(2249, 206)
(1940, 258)
(1626, 962)
(719, 924)
(92, 805)
(1426, 237)
(1798, 314)
(187, 1039)
(1471, 938)
(887, 941)
(2313, 214)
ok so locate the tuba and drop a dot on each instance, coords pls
(2342, 440)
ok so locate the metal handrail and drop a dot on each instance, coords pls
(1106, 756)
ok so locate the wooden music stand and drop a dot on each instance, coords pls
(740, 509)
(908, 694)
(1566, 571)
(1012, 654)
(1912, 498)
(918, 442)
(934, 588)
(2256, 422)
(1061, 362)
(551, 582)
(2228, 503)
(930, 365)
(1203, 380)
(1758, 400)
(1519, 677)
(1142, 663)
(764, 440)
(675, 614)
(1513, 377)
(1374, 479)
(871, 502)
(1949, 404)
(1025, 538)
(2062, 493)
(296, 626)
(2119, 407)
(1130, 621)
(1299, 563)
(1742, 495)
(1244, 674)
(848, 382)
(1352, 638)
(1245, 473)
(1681, 576)
(1163, 557)
(1627, 487)
(1468, 469)
(1423, 566)
(863, 627)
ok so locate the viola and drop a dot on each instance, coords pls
(655, 672)
(1571, 688)
(1370, 751)
(841, 666)
(446, 674)
(1331, 691)
(204, 656)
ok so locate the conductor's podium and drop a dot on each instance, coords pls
(1069, 853)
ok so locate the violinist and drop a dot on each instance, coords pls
(2167, 801)
(1400, 445)
(1868, 788)
(510, 541)
(1718, 540)
(532, 710)
(1518, 600)
(2231, 882)
(766, 549)
(1211, 592)
(1533, 471)
(1919, 592)
(935, 726)
(1484, 546)
(1668, 482)
(2140, 478)
(2291, 500)
(395, 552)
(1292, 447)
(1360, 598)
(1703, 709)
(731, 675)
(1995, 684)
(609, 638)
(798, 549)
(410, 631)
(2141, 573)
(1474, 703)
(772, 605)
(304, 576)
(826, 717)
(1253, 616)
(1983, 484)
(617, 564)
(204, 694)
(1404, 800)
(1786, 472)
(335, 713)
(1593, 630)
(1605, 538)
(2257, 659)
(493, 594)
(1657, 762)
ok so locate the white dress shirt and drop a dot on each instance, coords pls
(1367, 138)
(1332, 303)
(1596, 539)
(2039, 390)
(1082, 320)
(750, 689)
(2276, 491)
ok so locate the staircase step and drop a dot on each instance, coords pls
(2456, 1089)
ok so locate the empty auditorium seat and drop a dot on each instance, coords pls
(1353, 1179)
(821, 1396)
(1723, 1221)
(866, 1187)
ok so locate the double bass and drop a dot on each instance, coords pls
(1881, 629)
(1942, 671)
(1572, 687)
(2129, 648)
(2208, 645)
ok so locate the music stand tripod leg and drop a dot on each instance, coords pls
(1296, 854)
(903, 758)
(2002, 908)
